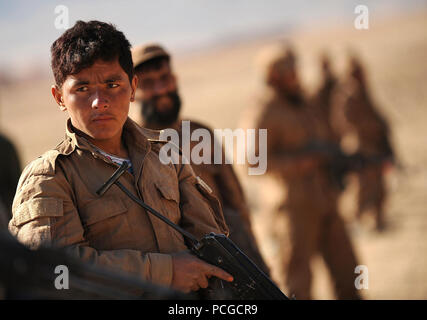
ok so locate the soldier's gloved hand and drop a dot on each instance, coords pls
(191, 273)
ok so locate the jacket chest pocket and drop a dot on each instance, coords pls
(169, 200)
(106, 223)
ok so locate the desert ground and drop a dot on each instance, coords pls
(220, 87)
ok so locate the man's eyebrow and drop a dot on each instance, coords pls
(114, 77)
(80, 83)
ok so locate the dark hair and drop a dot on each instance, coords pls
(80, 46)
(152, 64)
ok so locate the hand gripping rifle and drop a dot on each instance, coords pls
(250, 283)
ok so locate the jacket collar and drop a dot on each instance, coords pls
(137, 141)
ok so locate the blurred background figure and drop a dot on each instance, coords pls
(10, 171)
(160, 106)
(361, 117)
(315, 227)
(324, 96)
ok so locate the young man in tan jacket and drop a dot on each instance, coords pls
(56, 203)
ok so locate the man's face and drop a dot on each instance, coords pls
(158, 94)
(97, 99)
(290, 83)
(285, 80)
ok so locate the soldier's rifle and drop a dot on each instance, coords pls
(250, 282)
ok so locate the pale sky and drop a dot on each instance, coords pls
(28, 28)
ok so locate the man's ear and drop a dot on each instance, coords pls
(57, 95)
(134, 85)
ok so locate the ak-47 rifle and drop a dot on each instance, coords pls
(337, 163)
(250, 283)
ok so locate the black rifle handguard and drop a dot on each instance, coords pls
(250, 282)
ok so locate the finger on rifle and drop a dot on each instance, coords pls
(217, 272)
(202, 281)
(194, 287)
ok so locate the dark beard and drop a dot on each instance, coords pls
(150, 115)
(295, 99)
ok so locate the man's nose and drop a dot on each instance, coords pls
(160, 88)
(100, 100)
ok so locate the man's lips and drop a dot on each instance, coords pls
(102, 118)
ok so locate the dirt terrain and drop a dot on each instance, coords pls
(220, 86)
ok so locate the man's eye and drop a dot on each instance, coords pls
(113, 85)
(165, 78)
(82, 89)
